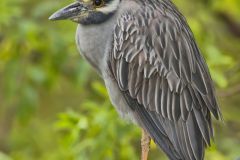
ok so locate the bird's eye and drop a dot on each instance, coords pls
(98, 3)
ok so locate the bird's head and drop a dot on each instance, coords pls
(87, 11)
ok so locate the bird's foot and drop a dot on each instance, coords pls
(145, 145)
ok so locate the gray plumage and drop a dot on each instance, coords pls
(155, 74)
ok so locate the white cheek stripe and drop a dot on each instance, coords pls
(110, 7)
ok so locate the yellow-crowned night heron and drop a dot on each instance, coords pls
(152, 69)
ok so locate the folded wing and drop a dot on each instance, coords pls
(162, 75)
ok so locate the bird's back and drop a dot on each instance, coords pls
(156, 68)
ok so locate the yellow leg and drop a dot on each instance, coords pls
(145, 144)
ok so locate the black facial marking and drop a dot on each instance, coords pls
(96, 18)
(108, 1)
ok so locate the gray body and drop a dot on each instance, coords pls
(152, 68)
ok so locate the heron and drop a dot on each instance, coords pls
(153, 70)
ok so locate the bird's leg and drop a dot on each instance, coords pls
(145, 144)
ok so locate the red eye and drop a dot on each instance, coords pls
(98, 3)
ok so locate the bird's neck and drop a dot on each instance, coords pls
(94, 42)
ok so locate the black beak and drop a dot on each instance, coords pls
(68, 12)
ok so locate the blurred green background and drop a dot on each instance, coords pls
(53, 106)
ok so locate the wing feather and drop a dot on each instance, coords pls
(163, 76)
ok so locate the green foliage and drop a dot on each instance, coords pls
(96, 130)
(54, 106)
